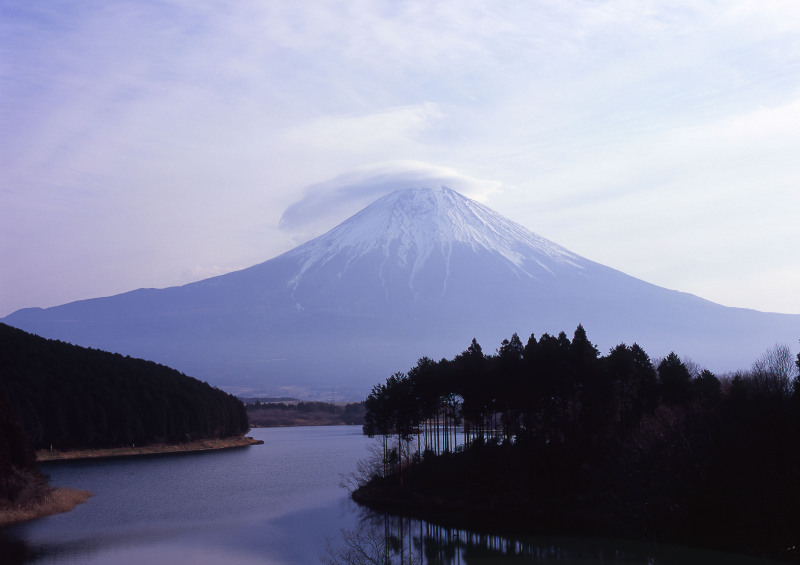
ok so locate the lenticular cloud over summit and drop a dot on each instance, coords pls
(351, 191)
(419, 272)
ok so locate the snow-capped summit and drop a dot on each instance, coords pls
(408, 225)
(420, 272)
(409, 243)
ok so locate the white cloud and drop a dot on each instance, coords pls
(395, 127)
(325, 204)
(706, 208)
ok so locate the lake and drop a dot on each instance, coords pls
(277, 503)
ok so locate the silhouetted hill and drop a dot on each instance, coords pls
(66, 396)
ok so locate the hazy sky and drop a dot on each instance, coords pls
(154, 143)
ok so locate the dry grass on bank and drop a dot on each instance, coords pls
(53, 501)
(186, 447)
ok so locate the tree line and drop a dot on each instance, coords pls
(304, 413)
(66, 396)
(553, 432)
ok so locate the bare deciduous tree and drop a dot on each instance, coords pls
(775, 370)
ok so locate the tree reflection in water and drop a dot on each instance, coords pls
(371, 543)
(392, 540)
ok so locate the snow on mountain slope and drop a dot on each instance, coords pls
(407, 245)
(418, 272)
(411, 224)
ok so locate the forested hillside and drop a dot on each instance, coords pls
(551, 436)
(20, 479)
(67, 396)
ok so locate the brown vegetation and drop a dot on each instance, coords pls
(156, 448)
(51, 501)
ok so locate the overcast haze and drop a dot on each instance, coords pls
(150, 144)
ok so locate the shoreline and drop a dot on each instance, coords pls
(214, 444)
(56, 500)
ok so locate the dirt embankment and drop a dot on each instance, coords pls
(156, 448)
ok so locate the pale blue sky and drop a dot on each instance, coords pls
(149, 144)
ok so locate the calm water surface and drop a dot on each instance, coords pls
(278, 503)
(272, 503)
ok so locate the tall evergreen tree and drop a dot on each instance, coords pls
(674, 379)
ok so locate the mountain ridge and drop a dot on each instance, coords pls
(418, 272)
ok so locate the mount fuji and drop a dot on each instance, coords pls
(418, 272)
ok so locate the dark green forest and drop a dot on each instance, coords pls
(550, 436)
(67, 396)
(20, 478)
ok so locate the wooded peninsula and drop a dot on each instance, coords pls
(550, 437)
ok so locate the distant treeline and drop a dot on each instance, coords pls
(67, 396)
(552, 435)
(304, 413)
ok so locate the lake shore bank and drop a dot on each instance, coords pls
(46, 455)
(55, 501)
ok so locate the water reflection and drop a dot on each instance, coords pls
(12, 551)
(390, 540)
(370, 544)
